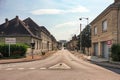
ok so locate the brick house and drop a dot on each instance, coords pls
(106, 27)
(26, 31)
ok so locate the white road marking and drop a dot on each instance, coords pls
(21, 68)
(31, 68)
(9, 69)
(43, 68)
(60, 66)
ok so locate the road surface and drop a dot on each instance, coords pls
(60, 66)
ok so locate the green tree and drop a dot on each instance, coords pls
(85, 38)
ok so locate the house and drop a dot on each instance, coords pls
(106, 30)
(25, 32)
(16, 28)
(46, 39)
(73, 43)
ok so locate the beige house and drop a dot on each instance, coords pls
(72, 44)
(46, 40)
(27, 31)
(106, 30)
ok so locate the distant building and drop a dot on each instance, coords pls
(72, 44)
(62, 43)
(106, 29)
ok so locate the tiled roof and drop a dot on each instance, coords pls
(45, 30)
(33, 27)
(14, 27)
(27, 27)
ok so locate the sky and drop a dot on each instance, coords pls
(60, 17)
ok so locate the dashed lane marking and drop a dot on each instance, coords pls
(43, 68)
(9, 69)
(32, 68)
(21, 68)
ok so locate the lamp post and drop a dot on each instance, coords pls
(81, 26)
(85, 18)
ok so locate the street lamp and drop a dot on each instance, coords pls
(81, 26)
(85, 18)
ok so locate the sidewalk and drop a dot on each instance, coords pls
(27, 59)
(99, 61)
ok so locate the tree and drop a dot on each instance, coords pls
(85, 38)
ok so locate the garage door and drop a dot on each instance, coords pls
(105, 50)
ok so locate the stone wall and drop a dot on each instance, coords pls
(110, 34)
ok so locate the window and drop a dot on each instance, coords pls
(95, 30)
(104, 26)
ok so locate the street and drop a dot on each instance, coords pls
(60, 66)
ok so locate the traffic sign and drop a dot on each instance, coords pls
(109, 42)
(10, 40)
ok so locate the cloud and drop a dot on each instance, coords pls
(66, 24)
(66, 29)
(46, 11)
(78, 9)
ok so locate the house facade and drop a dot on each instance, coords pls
(73, 43)
(25, 32)
(106, 30)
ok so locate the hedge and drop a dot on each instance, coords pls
(115, 49)
(15, 49)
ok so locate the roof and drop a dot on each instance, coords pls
(33, 27)
(14, 27)
(115, 5)
(45, 30)
(27, 27)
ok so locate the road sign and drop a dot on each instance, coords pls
(10, 40)
(109, 42)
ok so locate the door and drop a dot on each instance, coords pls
(105, 50)
(96, 49)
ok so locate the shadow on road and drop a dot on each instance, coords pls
(116, 70)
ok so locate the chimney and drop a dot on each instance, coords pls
(17, 21)
(17, 17)
(6, 22)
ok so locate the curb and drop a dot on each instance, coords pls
(109, 65)
(43, 57)
(20, 61)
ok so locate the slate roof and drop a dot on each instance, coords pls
(45, 30)
(14, 27)
(33, 27)
(27, 27)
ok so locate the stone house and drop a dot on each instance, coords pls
(26, 31)
(106, 30)
(72, 44)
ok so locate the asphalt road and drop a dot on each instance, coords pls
(61, 66)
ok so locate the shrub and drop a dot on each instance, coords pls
(15, 49)
(115, 49)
